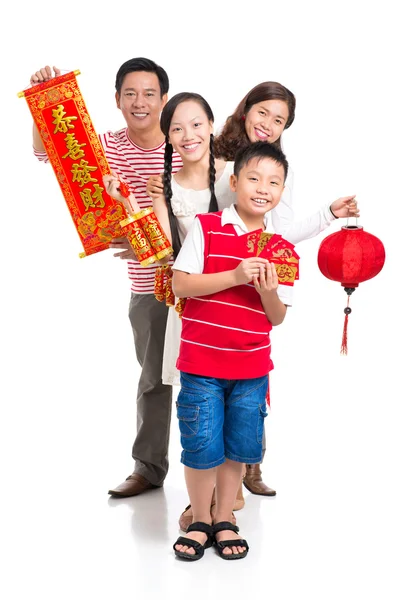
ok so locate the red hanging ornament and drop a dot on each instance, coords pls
(123, 189)
(350, 256)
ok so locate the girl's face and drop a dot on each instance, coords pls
(190, 130)
(266, 120)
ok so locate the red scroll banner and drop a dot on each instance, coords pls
(78, 160)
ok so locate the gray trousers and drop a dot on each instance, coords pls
(148, 318)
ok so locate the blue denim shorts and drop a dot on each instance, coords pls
(221, 418)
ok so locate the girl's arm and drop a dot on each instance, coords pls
(161, 212)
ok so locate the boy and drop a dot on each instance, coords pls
(234, 298)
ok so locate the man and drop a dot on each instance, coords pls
(136, 152)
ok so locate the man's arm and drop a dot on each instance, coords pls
(112, 185)
(126, 251)
(42, 75)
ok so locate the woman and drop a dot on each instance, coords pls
(263, 114)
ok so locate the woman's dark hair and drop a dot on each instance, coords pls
(165, 123)
(233, 135)
(142, 64)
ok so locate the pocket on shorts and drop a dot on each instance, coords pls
(193, 424)
(262, 413)
(188, 419)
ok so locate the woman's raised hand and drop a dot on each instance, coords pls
(345, 207)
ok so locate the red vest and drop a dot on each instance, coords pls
(225, 335)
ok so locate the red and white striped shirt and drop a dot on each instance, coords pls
(135, 165)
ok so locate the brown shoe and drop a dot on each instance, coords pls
(186, 517)
(133, 485)
(254, 483)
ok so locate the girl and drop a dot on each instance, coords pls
(187, 123)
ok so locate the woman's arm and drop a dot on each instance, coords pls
(311, 226)
(282, 215)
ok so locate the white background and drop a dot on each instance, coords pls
(69, 373)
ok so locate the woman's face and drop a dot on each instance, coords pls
(266, 120)
(190, 130)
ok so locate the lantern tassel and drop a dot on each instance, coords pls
(347, 311)
(343, 349)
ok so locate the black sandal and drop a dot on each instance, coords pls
(199, 549)
(222, 526)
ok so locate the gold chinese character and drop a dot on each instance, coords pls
(81, 173)
(74, 149)
(251, 240)
(61, 122)
(285, 273)
(92, 200)
(285, 253)
(153, 232)
(263, 241)
(138, 239)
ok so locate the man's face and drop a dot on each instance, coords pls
(140, 101)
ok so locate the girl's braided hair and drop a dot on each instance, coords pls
(165, 123)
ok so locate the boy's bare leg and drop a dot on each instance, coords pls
(200, 484)
(229, 476)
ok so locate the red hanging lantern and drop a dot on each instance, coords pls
(350, 256)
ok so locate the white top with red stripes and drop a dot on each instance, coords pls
(135, 165)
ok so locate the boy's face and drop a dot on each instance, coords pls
(259, 186)
(140, 101)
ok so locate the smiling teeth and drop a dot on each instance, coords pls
(140, 114)
(260, 200)
(190, 147)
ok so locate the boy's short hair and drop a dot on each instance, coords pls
(259, 150)
(142, 64)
